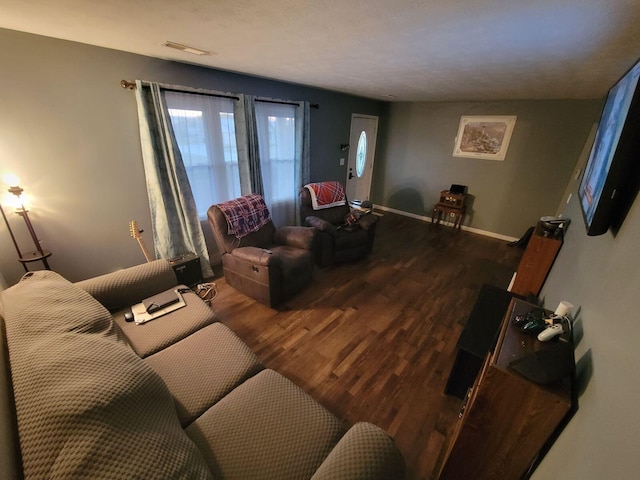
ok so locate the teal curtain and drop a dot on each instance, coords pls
(247, 143)
(303, 151)
(174, 217)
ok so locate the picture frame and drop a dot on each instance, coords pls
(484, 137)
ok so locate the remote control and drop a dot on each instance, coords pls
(550, 332)
(533, 327)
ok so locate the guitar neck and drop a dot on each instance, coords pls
(137, 234)
(145, 252)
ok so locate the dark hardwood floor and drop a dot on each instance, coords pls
(375, 340)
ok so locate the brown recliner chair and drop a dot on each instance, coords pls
(266, 264)
(337, 243)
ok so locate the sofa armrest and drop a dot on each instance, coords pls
(320, 224)
(365, 452)
(255, 255)
(367, 221)
(129, 286)
(299, 237)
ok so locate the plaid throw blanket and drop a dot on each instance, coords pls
(245, 214)
(326, 194)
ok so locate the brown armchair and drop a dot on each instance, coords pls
(335, 242)
(263, 262)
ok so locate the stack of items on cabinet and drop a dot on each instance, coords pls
(87, 394)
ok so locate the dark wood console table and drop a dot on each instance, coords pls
(536, 262)
(507, 420)
(478, 338)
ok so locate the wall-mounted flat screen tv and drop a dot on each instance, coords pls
(611, 178)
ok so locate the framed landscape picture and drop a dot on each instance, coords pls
(484, 137)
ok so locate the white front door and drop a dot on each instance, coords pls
(362, 148)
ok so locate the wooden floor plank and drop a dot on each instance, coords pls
(375, 340)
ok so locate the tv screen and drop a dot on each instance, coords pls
(610, 179)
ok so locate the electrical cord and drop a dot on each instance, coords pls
(206, 291)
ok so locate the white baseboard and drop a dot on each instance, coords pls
(465, 228)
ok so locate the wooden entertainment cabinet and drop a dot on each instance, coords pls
(536, 262)
(506, 419)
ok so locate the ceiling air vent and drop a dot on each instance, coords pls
(186, 48)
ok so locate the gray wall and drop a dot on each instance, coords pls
(70, 132)
(601, 277)
(415, 160)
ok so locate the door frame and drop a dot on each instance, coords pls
(371, 154)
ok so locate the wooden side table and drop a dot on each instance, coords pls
(451, 206)
(34, 257)
(454, 215)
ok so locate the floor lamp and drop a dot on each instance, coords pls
(39, 253)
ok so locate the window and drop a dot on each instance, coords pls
(361, 154)
(205, 132)
(204, 127)
(276, 140)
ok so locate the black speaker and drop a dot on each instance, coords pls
(548, 364)
(187, 269)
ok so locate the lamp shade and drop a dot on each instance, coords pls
(11, 180)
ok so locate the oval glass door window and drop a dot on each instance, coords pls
(361, 154)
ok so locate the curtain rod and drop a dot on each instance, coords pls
(280, 102)
(132, 85)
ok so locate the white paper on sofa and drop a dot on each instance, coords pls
(141, 316)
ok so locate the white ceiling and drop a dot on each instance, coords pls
(394, 50)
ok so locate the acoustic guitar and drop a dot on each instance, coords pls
(137, 234)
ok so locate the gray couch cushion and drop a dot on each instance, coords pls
(365, 452)
(202, 368)
(267, 428)
(86, 404)
(153, 336)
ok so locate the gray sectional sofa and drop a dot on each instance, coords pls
(86, 394)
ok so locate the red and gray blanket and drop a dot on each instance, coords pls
(326, 194)
(245, 214)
